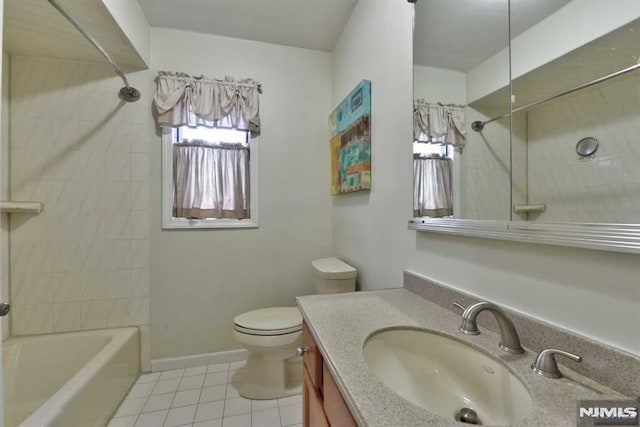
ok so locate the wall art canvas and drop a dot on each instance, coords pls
(350, 129)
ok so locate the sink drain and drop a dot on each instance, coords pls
(468, 416)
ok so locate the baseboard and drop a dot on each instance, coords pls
(170, 363)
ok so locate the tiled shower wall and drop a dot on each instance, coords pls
(601, 189)
(83, 262)
(484, 170)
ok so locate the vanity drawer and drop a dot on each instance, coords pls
(312, 359)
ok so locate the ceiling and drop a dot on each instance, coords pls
(461, 34)
(473, 29)
(311, 24)
(449, 34)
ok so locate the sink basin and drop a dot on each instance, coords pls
(443, 375)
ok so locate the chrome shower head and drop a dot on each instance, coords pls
(129, 94)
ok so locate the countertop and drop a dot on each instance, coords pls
(340, 324)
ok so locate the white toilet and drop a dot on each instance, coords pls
(271, 336)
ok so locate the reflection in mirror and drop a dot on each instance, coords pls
(459, 69)
(569, 71)
(525, 167)
(570, 178)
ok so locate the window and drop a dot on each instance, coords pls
(424, 150)
(209, 178)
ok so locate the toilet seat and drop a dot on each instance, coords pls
(269, 321)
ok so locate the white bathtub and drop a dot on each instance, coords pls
(74, 379)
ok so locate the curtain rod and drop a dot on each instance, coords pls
(127, 93)
(437, 104)
(220, 82)
(479, 125)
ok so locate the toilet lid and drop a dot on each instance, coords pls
(269, 321)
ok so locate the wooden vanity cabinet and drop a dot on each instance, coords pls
(323, 405)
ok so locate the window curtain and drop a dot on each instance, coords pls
(432, 191)
(438, 123)
(183, 100)
(210, 181)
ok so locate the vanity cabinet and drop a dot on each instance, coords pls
(323, 404)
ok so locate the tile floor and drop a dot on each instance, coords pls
(204, 396)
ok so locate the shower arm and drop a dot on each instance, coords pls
(128, 93)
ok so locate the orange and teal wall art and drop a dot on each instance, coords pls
(350, 130)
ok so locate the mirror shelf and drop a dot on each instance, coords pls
(610, 237)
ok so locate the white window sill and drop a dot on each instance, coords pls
(181, 223)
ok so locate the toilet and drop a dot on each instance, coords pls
(271, 336)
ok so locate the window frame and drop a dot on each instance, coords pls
(170, 222)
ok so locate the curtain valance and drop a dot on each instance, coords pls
(442, 124)
(183, 100)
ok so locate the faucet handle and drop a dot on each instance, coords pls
(546, 365)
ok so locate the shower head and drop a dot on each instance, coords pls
(129, 94)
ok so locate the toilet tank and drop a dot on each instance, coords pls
(334, 276)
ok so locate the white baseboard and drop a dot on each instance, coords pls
(181, 362)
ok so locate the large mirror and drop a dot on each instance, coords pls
(526, 116)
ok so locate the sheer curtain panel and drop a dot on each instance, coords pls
(432, 192)
(210, 181)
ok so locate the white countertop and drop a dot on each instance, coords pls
(340, 324)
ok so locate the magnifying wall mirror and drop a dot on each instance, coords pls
(526, 116)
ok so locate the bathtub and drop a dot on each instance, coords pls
(74, 379)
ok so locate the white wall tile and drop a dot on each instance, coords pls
(586, 190)
(67, 316)
(140, 196)
(94, 314)
(119, 137)
(118, 195)
(31, 256)
(33, 288)
(139, 138)
(72, 145)
(119, 283)
(67, 286)
(117, 312)
(139, 282)
(118, 254)
(118, 166)
(139, 167)
(93, 166)
(118, 224)
(95, 287)
(140, 225)
(138, 311)
(139, 253)
(32, 319)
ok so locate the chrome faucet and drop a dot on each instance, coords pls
(546, 365)
(509, 340)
